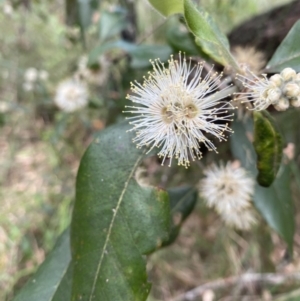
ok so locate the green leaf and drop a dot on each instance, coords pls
(288, 52)
(45, 282)
(268, 147)
(140, 54)
(168, 7)
(208, 35)
(241, 147)
(63, 291)
(111, 24)
(181, 40)
(86, 9)
(115, 221)
(182, 202)
(275, 203)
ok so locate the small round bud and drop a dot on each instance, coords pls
(297, 79)
(288, 74)
(296, 102)
(291, 90)
(274, 95)
(282, 104)
(276, 80)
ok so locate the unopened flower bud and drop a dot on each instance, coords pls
(276, 80)
(297, 79)
(282, 104)
(274, 95)
(291, 90)
(296, 102)
(288, 74)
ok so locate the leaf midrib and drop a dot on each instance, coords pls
(111, 226)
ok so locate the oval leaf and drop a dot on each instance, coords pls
(115, 221)
(275, 203)
(268, 147)
(45, 282)
(288, 52)
(86, 9)
(111, 24)
(168, 7)
(208, 35)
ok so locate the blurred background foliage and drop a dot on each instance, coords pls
(104, 44)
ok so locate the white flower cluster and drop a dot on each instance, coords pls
(71, 95)
(31, 77)
(281, 90)
(7, 9)
(177, 108)
(228, 189)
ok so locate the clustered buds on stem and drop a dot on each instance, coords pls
(280, 90)
(177, 109)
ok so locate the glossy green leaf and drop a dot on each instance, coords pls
(288, 52)
(275, 202)
(208, 35)
(115, 221)
(168, 7)
(182, 202)
(111, 24)
(268, 147)
(45, 282)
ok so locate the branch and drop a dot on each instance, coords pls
(244, 280)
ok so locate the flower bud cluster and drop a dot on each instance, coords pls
(287, 83)
(280, 90)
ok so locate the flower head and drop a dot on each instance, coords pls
(71, 95)
(260, 91)
(249, 57)
(229, 190)
(177, 108)
(280, 90)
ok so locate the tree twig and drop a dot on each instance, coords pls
(244, 280)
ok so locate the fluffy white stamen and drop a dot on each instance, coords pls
(176, 109)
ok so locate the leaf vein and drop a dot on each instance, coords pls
(111, 226)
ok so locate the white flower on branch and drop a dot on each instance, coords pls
(228, 189)
(260, 91)
(280, 90)
(176, 109)
(71, 95)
